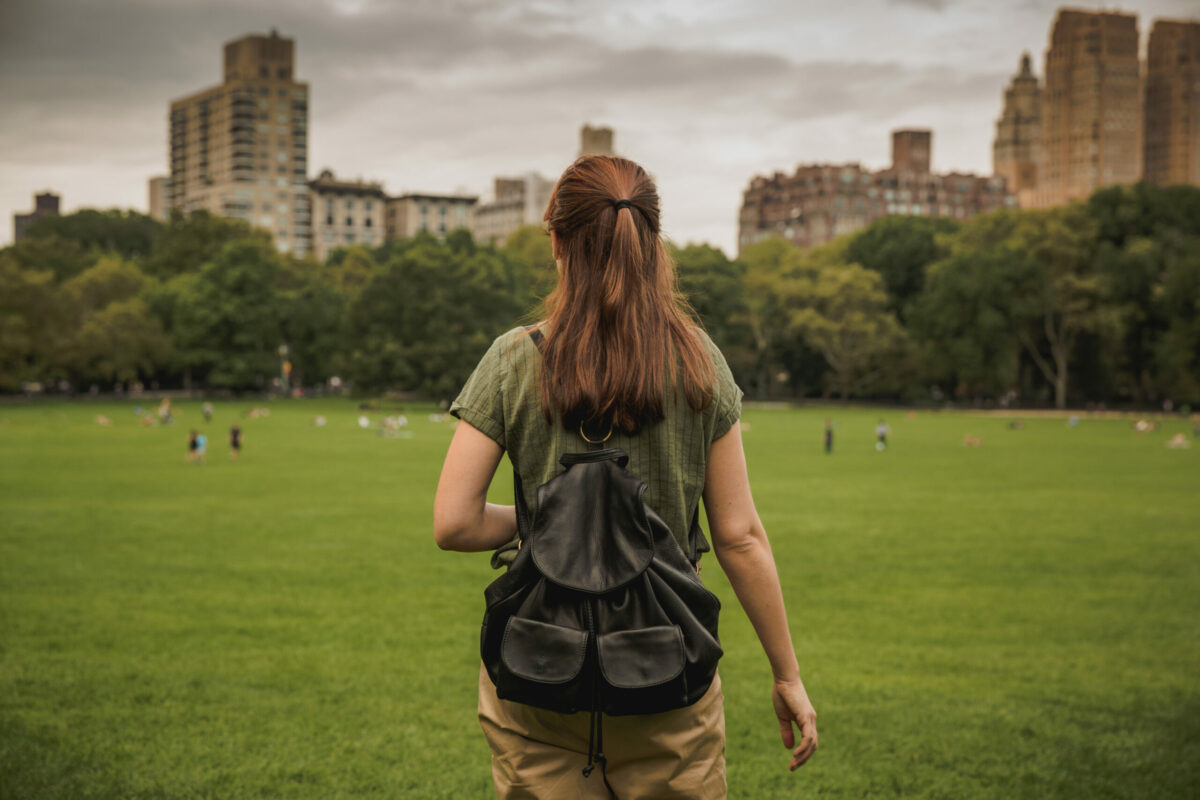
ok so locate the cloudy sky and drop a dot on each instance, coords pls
(442, 95)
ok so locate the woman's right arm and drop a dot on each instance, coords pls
(740, 543)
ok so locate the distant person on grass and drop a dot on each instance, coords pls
(828, 435)
(235, 443)
(192, 445)
(623, 360)
(881, 433)
(201, 447)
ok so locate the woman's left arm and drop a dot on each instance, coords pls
(463, 519)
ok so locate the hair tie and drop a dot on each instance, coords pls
(622, 204)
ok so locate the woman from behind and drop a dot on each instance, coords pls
(618, 357)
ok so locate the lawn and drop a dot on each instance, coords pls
(1018, 619)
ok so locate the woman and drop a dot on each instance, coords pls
(619, 357)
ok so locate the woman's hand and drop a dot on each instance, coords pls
(792, 705)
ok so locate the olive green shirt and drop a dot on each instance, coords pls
(502, 398)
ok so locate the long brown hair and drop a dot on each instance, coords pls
(617, 328)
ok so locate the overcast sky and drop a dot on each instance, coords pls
(443, 95)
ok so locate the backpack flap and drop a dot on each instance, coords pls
(591, 533)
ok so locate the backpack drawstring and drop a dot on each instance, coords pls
(596, 750)
(596, 717)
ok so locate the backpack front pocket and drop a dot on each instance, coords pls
(543, 662)
(643, 670)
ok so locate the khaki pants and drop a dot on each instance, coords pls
(540, 755)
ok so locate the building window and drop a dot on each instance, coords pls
(349, 204)
(424, 210)
(350, 222)
(368, 238)
(329, 219)
(349, 237)
(367, 205)
(367, 222)
(283, 208)
(329, 236)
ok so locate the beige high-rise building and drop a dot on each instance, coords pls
(595, 141)
(157, 188)
(240, 149)
(519, 201)
(1172, 103)
(345, 213)
(1015, 148)
(439, 214)
(1091, 114)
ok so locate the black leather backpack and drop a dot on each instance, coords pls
(601, 610)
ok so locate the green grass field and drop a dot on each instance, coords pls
(1017, 620)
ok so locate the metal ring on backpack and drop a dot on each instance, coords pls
(595, 441)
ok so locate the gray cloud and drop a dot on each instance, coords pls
(936, 5)
(443, 95)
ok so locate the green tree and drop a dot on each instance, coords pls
(1145, 233)
(112, 335)
(32, 323)
(124, 233)
(769, 265)
(351, 269)
(531, 270)
(962, 322)
(313, 309)
(840, 310)
(62, 258)
(1059, 291)
(901, 249)
(120, 342)
(424, 321)
(188, 241)
(226, 322)
(1177, 352)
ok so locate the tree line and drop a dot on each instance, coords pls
(1096, 302)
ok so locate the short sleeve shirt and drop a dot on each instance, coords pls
(502, 398)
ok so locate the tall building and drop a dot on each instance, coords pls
(157, 189)
(1091, 116)
(912, 151)
(240, 149)
(439, 214)
(1172, 103)
(45, 204)
(345, 213)
(595, 141)
(819, 202)
(1014, 150)
(519, 201)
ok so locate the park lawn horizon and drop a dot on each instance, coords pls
(1018, 619)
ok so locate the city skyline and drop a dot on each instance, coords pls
(444, 97)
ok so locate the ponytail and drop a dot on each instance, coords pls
(617, 329)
